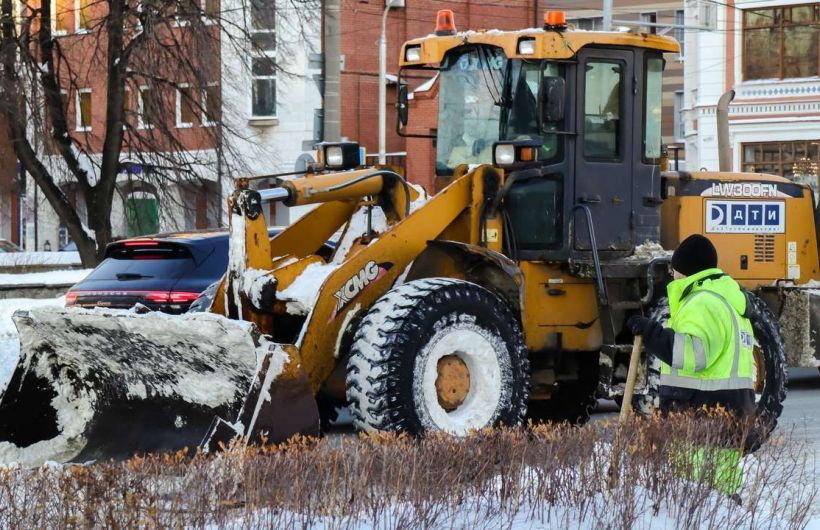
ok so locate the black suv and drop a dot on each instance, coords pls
(165, 272)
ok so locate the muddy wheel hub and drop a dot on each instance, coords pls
(760, 370)
(452, 382)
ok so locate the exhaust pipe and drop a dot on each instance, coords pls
(724, 150)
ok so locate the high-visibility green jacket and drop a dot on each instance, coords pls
(713, 343)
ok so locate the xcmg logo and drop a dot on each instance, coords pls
(359, 282)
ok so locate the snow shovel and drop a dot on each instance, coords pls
(631, 375)
(626, 406)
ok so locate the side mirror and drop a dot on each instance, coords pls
(401, 104)
(553, 94)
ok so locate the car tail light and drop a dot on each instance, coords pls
(142, 243)
(174, 297)
(70, 298)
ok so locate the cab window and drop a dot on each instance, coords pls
(602, 109)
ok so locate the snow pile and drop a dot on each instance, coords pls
(357, 226)
(649, 250)
(237, 257)
(795, 324)
(9, 344)
(301, 295)
(254, 282)
(64, 277)
(15, 259)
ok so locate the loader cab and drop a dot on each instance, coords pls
(606, 152)
(597, 118)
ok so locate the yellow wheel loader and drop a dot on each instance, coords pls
(501, 297)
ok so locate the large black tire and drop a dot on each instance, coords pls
(771, 388)
(769, 341)
(398, 348)
(571, 401)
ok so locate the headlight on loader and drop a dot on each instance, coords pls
(412, 54)
(340, 155)
(514, 154)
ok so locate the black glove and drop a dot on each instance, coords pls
(638, 324)
(658, 340)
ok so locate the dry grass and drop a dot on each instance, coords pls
(555, 475)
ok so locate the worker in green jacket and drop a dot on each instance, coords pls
(706, 350)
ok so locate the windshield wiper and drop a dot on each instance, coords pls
(498, 98)
(131, 276)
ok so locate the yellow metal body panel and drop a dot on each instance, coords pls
(559, 310)
(308, 233)
(399, 246)
(548, 44)
(767, 255)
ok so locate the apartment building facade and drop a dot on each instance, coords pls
(768, 53)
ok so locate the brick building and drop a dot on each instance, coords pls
(269, 115)
(360, 29)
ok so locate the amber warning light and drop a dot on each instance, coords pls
(555, 20)
(445, 23)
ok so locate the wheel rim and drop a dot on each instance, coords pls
(459, 370)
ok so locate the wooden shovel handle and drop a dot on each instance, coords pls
(634, 360)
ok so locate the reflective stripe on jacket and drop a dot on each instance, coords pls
(714, 344)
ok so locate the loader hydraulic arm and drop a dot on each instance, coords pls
(350, 185)
(384, 252)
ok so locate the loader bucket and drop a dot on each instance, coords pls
(98, 384)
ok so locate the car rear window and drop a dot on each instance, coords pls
(160, 261)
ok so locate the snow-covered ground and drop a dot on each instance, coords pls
(11, 259)
(9, 347)
(68, 277)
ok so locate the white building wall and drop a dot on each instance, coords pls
(765, 110)
(264, 146)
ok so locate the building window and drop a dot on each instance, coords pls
(649, 18)
(148, 107)
(264, 87)
(60, 10)
(83, 105)
(82, 14)
(263, 62)
(680, 124)
(680, 34)
(781, 42)
(185, 106)
(210, 8)
(588, 24)
(211, 105)
(796, 160)
(141, 213)
(128, 109)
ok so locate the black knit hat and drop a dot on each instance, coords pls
(695, 253)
